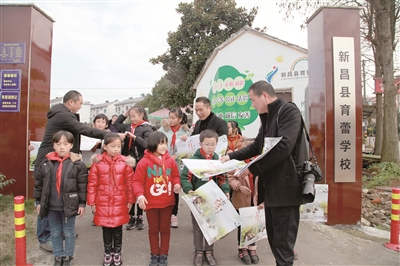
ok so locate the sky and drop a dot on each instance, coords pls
(102, 48)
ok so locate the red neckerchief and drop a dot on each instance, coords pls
(232, 143)
(133, 126)
(159, 162)
(111, 163)
(174, 129)
(53, 156)
(208, 157)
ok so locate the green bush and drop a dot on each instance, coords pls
(382, 174)
(4, 182)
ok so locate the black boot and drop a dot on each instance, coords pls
(209, 256)
(198, 258)
(154, 260)
(163, 260)
(67, 261)
(131, 224)
(58, 261)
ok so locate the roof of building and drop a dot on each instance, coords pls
(101, 105)
(244, 30)
(130, 100)
(56, 100)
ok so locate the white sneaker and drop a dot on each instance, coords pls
(174, 221)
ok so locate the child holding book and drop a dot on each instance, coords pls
(208, 143)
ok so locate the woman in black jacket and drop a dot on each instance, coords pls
(135, 144)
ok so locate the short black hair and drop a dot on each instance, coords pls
(208, 133)
(72, 95)
(262, 86)
(154, 139)
(100, 116)
(59, 134)
(204, 100)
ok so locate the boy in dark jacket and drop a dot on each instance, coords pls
(60, 192)
(189, 182)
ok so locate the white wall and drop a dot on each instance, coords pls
(109, 111)
(84, 113)
(255, 58)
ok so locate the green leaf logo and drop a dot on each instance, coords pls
(228, 95)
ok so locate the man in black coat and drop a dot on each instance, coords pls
(207, 119)
(278, 178)
(62, 117)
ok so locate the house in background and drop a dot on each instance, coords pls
(246, 57)
(156, 117)
(125, 105)
(84, 112)
(107, 108)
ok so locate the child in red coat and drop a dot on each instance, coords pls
(109, 193)
(155, 181)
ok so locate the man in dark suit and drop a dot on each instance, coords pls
(207, 119)
(279, 185)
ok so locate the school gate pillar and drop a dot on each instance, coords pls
(26, 34)
(334, 63)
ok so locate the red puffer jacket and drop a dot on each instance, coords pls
(111, 197)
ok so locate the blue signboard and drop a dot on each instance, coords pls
(12, 53)
(10, 79)
(10, 90)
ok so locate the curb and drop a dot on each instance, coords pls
(374, 232)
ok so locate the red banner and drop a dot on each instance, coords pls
(379, 85)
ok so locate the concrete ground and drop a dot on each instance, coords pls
(317, 244)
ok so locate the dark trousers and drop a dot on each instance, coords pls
(175, 208)
(282, 227)
(112, 235)
(139, 211)
(159, 229)
(199, 241)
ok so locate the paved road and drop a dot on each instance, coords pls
(317, 244)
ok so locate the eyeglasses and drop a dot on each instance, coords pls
(209, 145)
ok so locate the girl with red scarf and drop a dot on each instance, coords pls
(60, 192)
(110, 196)
(234, 136)
(177, 129)
(135, 144)
(155, 181)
